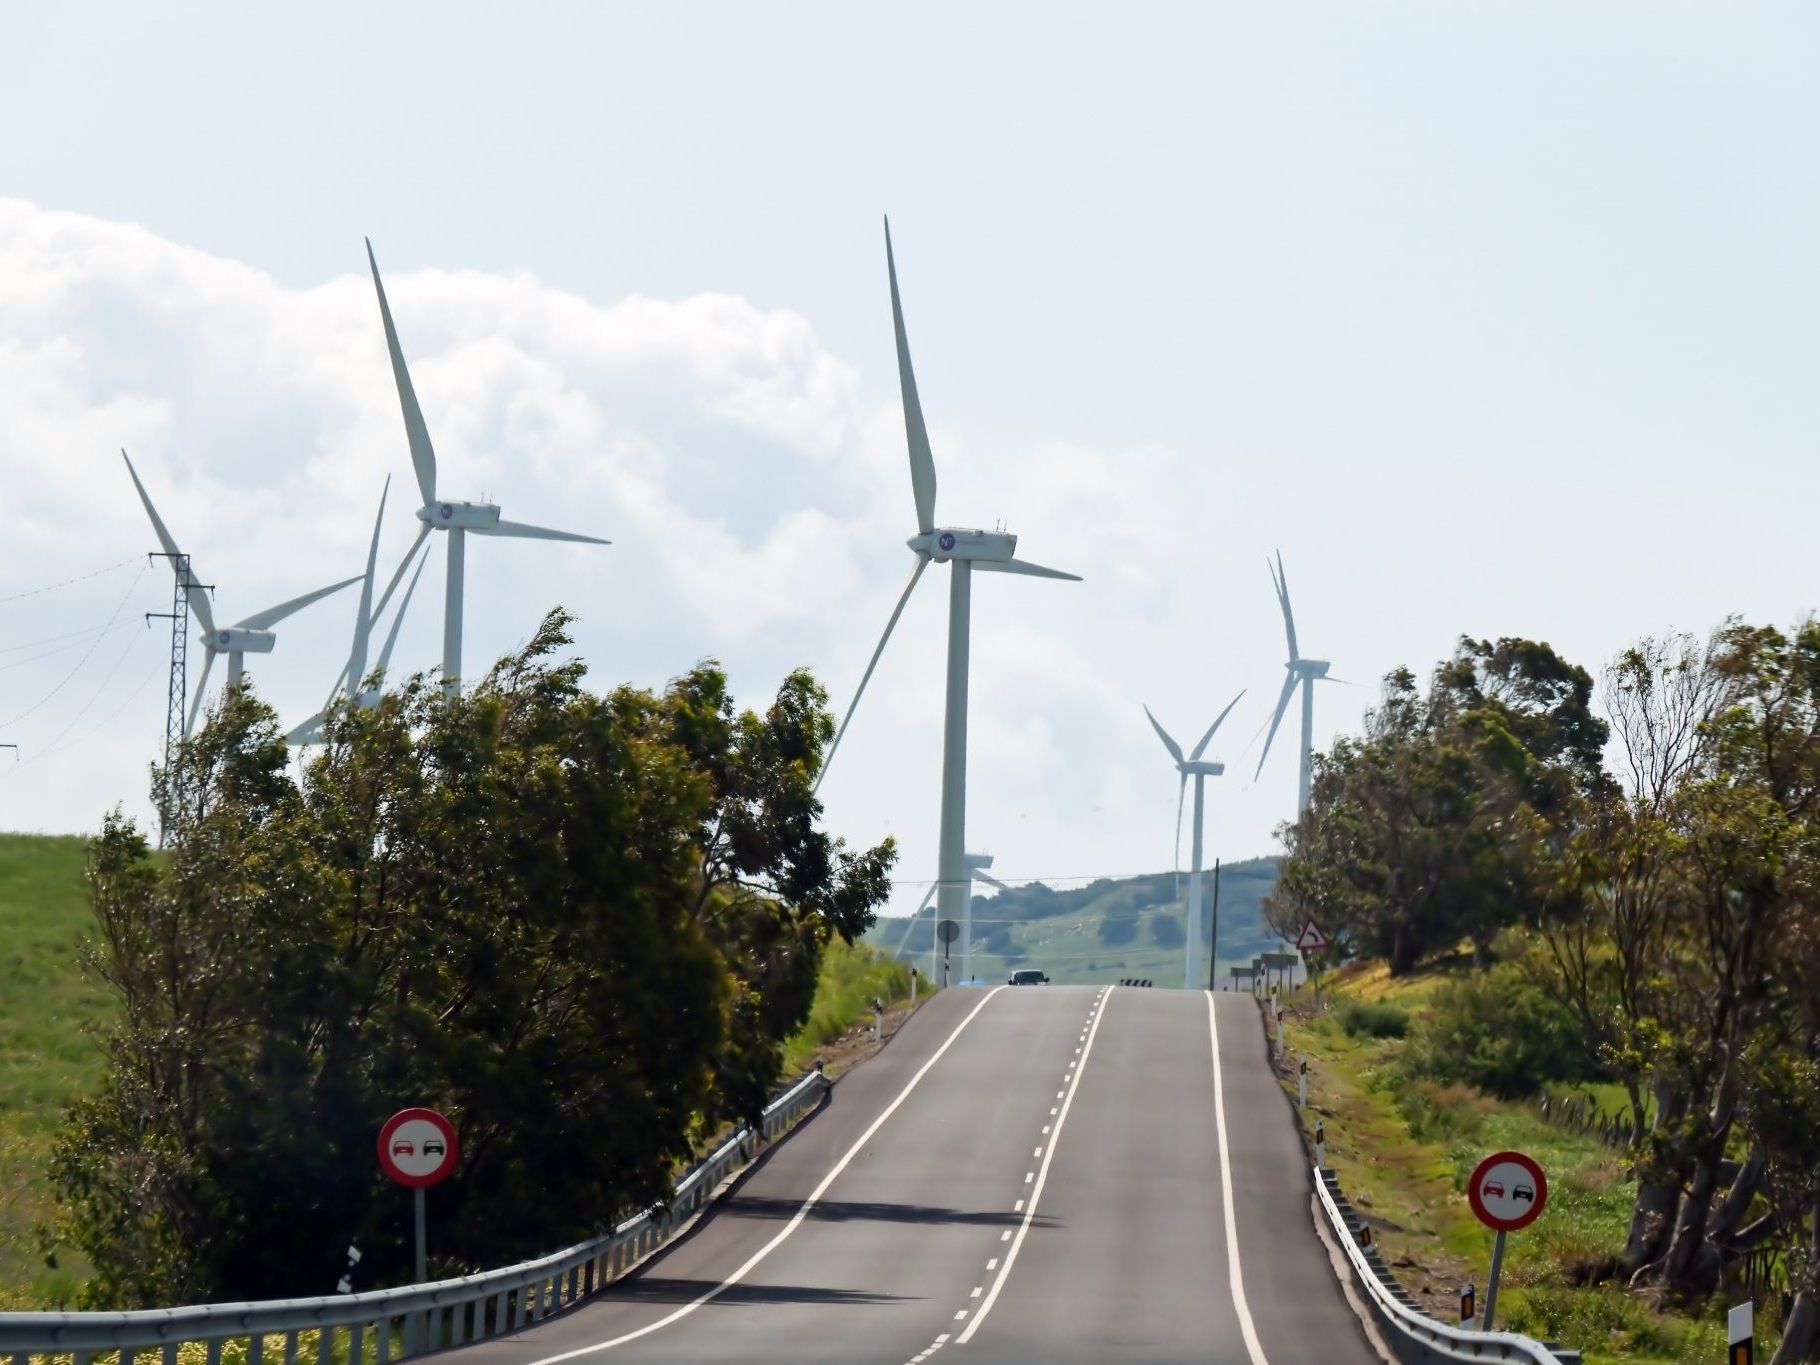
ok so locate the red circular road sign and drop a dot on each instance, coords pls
(417, 1147)
(1507, 1191)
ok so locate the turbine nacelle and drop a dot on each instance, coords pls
(459, 516)
(1308, 668)
(238, 640)
(954, 542)
(1200, 768)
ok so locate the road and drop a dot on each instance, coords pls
(1048, 1173)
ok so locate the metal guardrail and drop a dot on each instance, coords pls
(390, 1324)
(1404, 1315)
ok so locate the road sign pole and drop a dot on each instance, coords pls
(1491, 1285)
(417, 1200)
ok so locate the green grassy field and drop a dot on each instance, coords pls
(1104, 931)
(1407, 1146)
(48, 1053)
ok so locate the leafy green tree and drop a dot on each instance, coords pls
(1443, 820)
(574, 923)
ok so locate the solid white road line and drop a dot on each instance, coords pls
(1235, 1275)
(1042, 1174)
(795, 1222)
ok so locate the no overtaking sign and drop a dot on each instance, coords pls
(417, 1147)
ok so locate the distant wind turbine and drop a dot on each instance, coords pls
(977, 863)
(250, 635)
(455, 519)
(354, 672)
(1301, 671)
(1193, 766)
(963, 550)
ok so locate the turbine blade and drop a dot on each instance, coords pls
(363, 618)
(1175, 750)
(1023, 566)
(423, 534)
(404, 605)
(1201, 748)
(922, 562)
(308, 732)
(208, 662)
(1276, 720)
(199, 598)
(922, 460)
(518, 530)
(423, 454)
(1181, 795)
(990, 880)
(1280, 581)
(915, 915)
(271, 616)
(1343, 682)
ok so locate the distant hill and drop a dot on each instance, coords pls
(1108, 929)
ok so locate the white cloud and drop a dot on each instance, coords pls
(756, 504)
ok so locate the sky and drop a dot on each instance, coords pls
(1493, 318)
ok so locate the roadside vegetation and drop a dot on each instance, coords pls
(852, 976)
(1649, 931)
(584, 926)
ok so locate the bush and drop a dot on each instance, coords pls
(1499, 1033)
(1375, 1019)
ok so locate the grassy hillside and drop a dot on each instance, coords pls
(1103, 931)
(1403, 1148)
(47, 1051)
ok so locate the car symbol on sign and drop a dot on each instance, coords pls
(1492, 1187)
(402, 1147)
(434, 1147)
(1520, 1192)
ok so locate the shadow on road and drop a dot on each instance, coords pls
(845, 1211)
(647, 1289)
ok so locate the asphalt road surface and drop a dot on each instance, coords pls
(1023, 1174)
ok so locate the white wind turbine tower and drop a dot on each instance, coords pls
(964, 550)
(1301, 671)
(1200, 770)
(454, 519)
(250, 635)
(354, 671)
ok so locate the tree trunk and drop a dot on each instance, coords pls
(1690, 1270)
(1801, 1333)
(1658, 1189)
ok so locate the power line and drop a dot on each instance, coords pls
(87, 654)
(1093, 876)
(79, 578)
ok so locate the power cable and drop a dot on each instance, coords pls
(79, 578)
(87, 655)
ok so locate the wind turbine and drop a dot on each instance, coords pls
(455, 519)
(977, 863)
(1302, 671)
(250, 635)
(1200, 770)
(354, 671)
(963, 550)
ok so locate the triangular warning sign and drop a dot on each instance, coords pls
(1310, 937)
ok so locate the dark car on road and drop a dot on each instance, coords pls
(1028, 976)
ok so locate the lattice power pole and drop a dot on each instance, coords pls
(179, 617)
